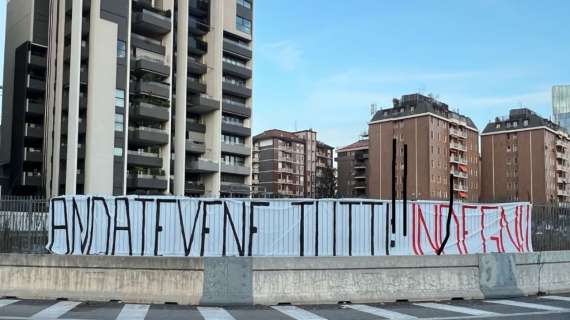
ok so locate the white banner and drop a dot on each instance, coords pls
(177, 226)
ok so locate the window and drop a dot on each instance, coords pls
(119, 98)
(118, 152)
(525, 123)
(243, 24)
(245, 3)
(119, 122)
(121, 49)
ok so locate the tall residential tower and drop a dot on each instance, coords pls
(148, 97)
(561, 105)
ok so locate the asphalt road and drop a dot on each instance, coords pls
(547, 307)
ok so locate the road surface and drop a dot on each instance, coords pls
(546, 307)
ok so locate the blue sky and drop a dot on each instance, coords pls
(320, 63)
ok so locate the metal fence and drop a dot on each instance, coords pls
(23, 224)
(551, 227)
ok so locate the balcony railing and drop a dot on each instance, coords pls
(457, 160)
(458, 133)
(459, 174)
(459, 187)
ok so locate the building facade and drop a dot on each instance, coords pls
(524, 158)
(561, 105)
(148, 97)
(23, 97)
(352, 170)
(291, 164)
(440, 143)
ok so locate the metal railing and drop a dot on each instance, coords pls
(23, 225)
(551, 227)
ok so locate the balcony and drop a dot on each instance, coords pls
(458, 160)
(149, 112)
(146, 43)
(560, 155)
(235, 188)
(360, 185)
(459, 174)
(151, 88)
(83, 77)
(236, 89)
(236, 108)
(194, 147)
(235, 129)
(237, 69)
(560, 143)
(459, 187)
(37, 61)
(561, 180)
(198, 28)
(194, 187)
(33, 155)
(238, 48)
(563, 193)
(239, 149)
(197, 47)
(152, 24)
(35, 84)
(81, 129)
(146, 65)
(82, 103)
(236, 169)
(199, 8)
(203, 104)
(195, 86)
(145, 136)
(202, 166)
(84, 53)
(34, 108)
(457, 146)
(144, 159)
(457, 133)
(147, 181)
(80, 152)
(84, 29)
(33, 131)
(196, 67)
(195, 127)
(33, 179)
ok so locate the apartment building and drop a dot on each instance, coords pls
(441, 142)
(352, 169)
(524, 158)
(148, 97)
(23, 97)
(291, 164)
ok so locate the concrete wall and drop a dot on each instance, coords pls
(249, 281)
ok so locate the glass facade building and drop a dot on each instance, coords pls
(561, 105)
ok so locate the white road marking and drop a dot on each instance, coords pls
(133, 312)
(297, 313)
(215, 313)
(458, 309)
(380, 312)
(55, 311)
(559, 298)
(5, 302)
(526, 305)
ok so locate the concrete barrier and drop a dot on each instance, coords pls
(247, 281)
